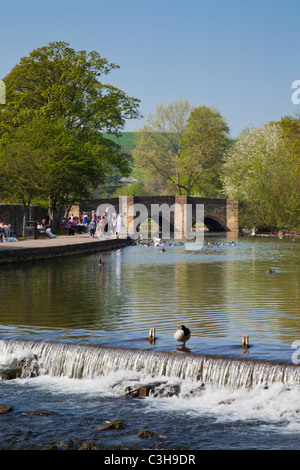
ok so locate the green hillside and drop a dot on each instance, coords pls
(113, 181)
(127, 140)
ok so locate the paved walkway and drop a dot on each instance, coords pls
(66, 245)
(64, 240)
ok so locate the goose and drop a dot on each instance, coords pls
(100, 262)
(182, 334)
(271, 271)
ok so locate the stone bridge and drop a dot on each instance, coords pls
(219, 215)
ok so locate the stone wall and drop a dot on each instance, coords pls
(13, 214)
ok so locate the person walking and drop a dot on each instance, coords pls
(92, 228)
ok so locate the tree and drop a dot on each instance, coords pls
(180, 144)
(18, 174)
(260, 173)
(206, 139)
(135, 189)
(160, 144)
(56, 93)
(291, 133)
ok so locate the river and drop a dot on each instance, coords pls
(83, 323)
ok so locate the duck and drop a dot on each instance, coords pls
(182, 334)
(271, 271)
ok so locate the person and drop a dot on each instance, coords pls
(3, 231)
(108, 216)
(85, 219)
(94, 216)
(65, 223)
(41, 227)
(92, 228)
(79, 225)
(72, 223)
(120, 225)
(101, 226)
(44, 228)
(114, 218)
(10, 231)
(3, 228)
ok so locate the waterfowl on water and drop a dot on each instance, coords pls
(271, 271)
(100, 262)
(182, 334)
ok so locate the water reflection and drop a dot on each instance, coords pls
(221, 292)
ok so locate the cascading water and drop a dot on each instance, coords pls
(96, 384)
(79, 361)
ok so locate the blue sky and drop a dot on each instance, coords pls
(240, 57)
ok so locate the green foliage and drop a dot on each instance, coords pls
(135, 189)
(180, 147)
(159, 146)
(260, 173)
(206, 139)
(291, 132)
(57, 115)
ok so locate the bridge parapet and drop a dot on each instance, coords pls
(219, 214)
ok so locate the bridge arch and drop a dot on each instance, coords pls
(219, 214)
(165, 224)
(214, 225)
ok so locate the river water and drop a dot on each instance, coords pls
(85, 329)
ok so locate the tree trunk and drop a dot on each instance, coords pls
(55, 214)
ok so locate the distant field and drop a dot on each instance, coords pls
(127, 140)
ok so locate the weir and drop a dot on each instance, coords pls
(88, 362)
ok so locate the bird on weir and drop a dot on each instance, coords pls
(182, 334)
(100, 262)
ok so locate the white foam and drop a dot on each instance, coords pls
(277, 406)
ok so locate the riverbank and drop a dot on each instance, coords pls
(47, 248)
(279, 234)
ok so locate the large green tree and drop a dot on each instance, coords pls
(261, 174)
(160, 144)
(290, 126)
(57, 96)
(206, 140)
(181, 146)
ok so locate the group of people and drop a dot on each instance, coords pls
(74, 224)
(6, 232)
(100, 225)
(107, 223)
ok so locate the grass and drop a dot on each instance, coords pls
(127, 140)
